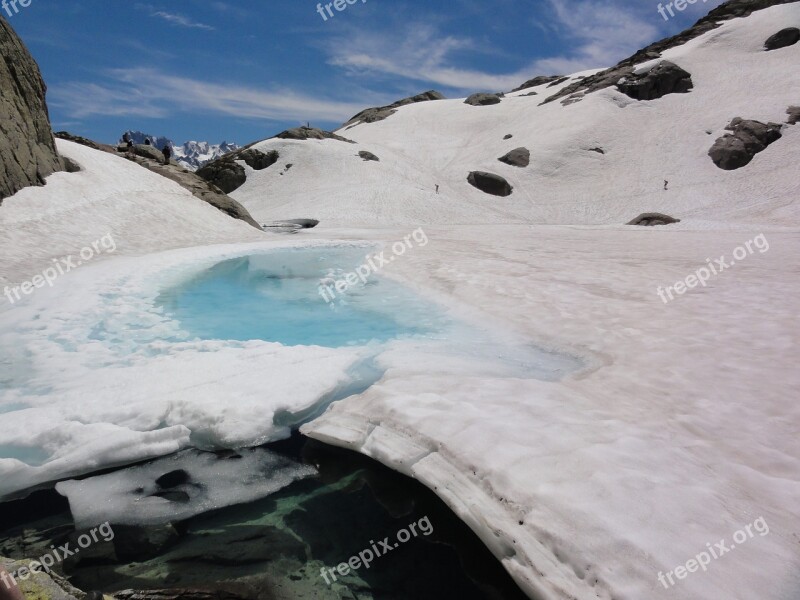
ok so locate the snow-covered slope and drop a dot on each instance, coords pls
(644, 144)
(681, 431)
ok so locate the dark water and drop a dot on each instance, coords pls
(277, 547)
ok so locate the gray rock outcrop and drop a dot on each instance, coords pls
(490, 183)
(729, 10)
(785, 37)
(794, 115)
(540, 80)
(27, 149)
(748, 138)
(481, 99)
(65, 135)
(379, 113)
(228, 175)
(652, 219)
(368, 156)
(519, 157)
(310, 133)
(664, 78)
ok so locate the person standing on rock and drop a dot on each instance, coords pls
(147, 142)
(167, 151)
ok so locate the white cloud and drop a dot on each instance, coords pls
(147, 92)
(181, 20)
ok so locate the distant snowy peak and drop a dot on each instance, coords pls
(192, 155)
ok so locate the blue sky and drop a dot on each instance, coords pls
(244, 70)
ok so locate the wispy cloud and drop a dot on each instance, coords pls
(166, 94)
(181, 20)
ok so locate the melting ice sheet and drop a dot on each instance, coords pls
(138, 358)
(180, 486)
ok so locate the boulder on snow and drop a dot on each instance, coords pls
(785, 37)
(255, 159)
(225, 174)
(310, 133)
(519, 157)
(735, 150)
(490, 183)
(368, 156)
(664, 78)
(27, 149)
(301, 223)
(481, 99)
(651, 219)
(794, 114)
(540, 80)
(228, 175)
(507, 136)
(379, 113)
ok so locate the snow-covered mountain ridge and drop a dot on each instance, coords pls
(191, 155)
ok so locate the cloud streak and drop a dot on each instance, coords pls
(166, 94)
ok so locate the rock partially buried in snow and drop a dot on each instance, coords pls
(794, 115)
(664, 78)
(737, 149)
(490, 183)
(483, 99)
(785, 37)
(519, 157)
(651, 219)
(379, 113)
(310, 133)
(368, 156)
(536, 81)
(225, 174)
(302, 223)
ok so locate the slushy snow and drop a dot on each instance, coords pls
(681, 429)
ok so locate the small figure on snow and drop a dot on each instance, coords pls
(666, 183)
(437, 188)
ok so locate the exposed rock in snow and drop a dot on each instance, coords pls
(27, 149)
(794, 115)
(519, 157)
(481, 99)
(507, 136)
(664, 78)
(256, 159)
(225, 174)
(490, 183)
(651, 219)
(310, 133)
(715, 18)
(785, 37)
(735, 150)
(145, 151)
(228, 175)
(536, 81)
(372, 115)
(368, 156)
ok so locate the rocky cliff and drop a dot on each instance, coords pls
(27, 149)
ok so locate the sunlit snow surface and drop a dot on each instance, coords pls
(219, 348)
